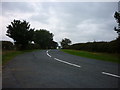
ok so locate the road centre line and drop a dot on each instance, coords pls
(79, 66)
(111, 74)
(67, 62)
(62, 60)
(48, 54)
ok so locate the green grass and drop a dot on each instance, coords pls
(9, 55)
(94, 55)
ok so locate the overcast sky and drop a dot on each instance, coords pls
(78, 21)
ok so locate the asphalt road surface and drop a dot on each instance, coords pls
(56, 69)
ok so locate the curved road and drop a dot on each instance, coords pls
(56, 69)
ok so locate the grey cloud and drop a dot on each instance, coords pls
(40, 18)
(91, 9)
(12, 7)
(100, 14)
(82, 11)
(79, 21)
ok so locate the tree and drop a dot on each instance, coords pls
(65, 42)
(53, 45)
(117, 17)
(20, 32)
(43, 38)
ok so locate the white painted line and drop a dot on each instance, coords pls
(48, 54)
(67, 62)
(111, 74)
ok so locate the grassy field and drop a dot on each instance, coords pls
(94, 55)
(8, 55)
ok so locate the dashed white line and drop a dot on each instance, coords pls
(62, 60)
(80, 66)
(48, 53)
(111, 74)
(67, 62)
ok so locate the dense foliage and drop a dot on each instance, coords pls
(65, 43)
(44, 39)
(117, 17)
(26, 38)
(20, 32)
(7, 45)
(110, 47)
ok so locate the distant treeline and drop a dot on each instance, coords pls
(109, 47)
(7, 45)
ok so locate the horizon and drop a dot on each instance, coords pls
(63, 19)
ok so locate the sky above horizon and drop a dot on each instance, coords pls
(77, 21)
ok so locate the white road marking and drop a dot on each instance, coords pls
(80, 66)
(62, 60)
(67, 62)
(111, 74)
(48, 53)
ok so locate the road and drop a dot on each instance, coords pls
(56, 69)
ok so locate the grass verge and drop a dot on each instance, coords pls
(8, 55)
(94, 55)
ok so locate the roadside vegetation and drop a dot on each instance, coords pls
(94, 55)
(27, 39)
(10, 54)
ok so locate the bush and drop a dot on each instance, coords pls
(7, 45)
(109, 47)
